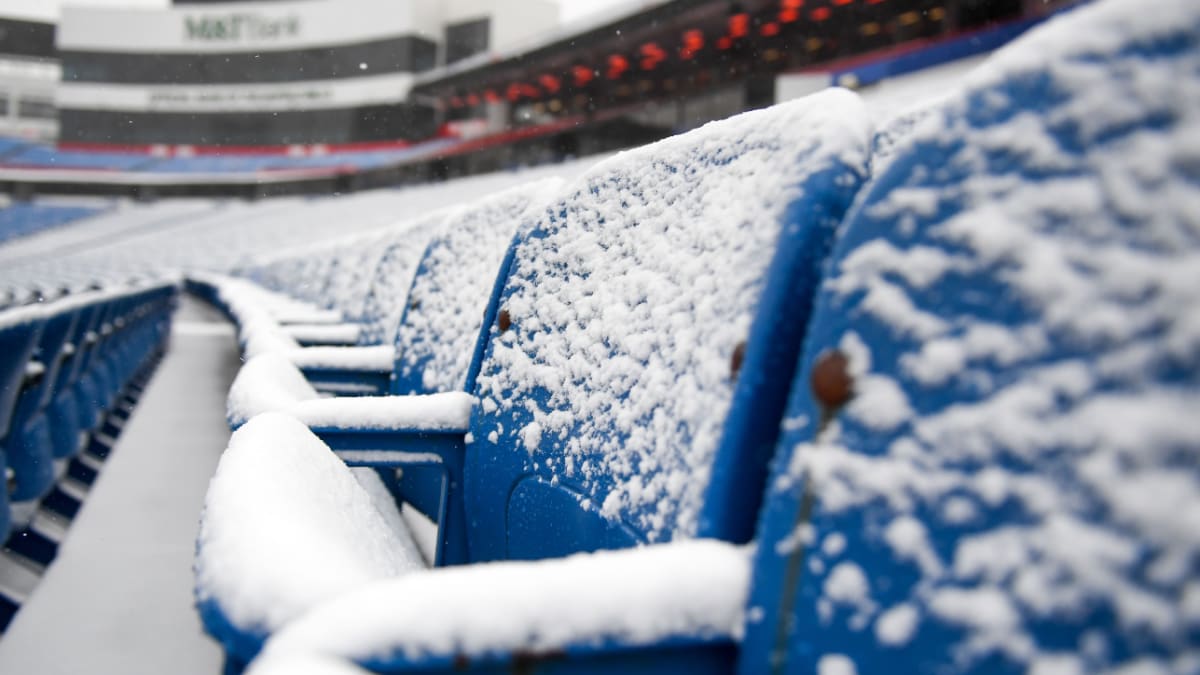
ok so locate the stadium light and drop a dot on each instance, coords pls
(617, 65)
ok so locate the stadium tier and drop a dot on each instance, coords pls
(204, 99)
(841, 385)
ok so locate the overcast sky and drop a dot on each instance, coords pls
(48, 9)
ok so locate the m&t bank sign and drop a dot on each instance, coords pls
(240, 27)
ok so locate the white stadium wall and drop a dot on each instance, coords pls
(263, 73)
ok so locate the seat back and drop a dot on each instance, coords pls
(440, 324)
(393, 276)
(642, 339)
(992, 461)
(19, 330)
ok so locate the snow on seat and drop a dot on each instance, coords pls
(758, 195)
(688, 596)
(287, 524)
(438, 326)
(1014, 485)
(642, 345)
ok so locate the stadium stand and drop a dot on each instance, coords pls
(792, 169)
(987, 462)
(72, 369)
(22, 219)
(794, 392)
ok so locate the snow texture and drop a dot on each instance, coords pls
(287, 525)
(267, 382)
(1019, 294)
(630, 296)
(446, 411)
(437, 336)
(634, 597)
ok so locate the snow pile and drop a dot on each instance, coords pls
(1015, 485)
(267, 382)
(287, 525)
(627, 303)
(635, 597)
(436, 338)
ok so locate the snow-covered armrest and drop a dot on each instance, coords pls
(606, 601)
(287, 525)
(378, 358)
(346, 370)
(448, 412)
(344, 334)
(272, 383)
(268, 382)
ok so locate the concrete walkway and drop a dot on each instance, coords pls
(118, 600)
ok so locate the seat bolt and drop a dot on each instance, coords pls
(832, 384)
(735, 361)
(504, 320)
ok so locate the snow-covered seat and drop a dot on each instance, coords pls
(258, 310)
(640, 342)
(1015, 484)
(440, 319)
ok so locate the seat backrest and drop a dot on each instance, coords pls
(992, 463)
(393, 275)
(19, 330)
(57, 331)
(440, 325)
(642, 340)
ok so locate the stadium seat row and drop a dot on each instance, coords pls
(69, 374)
(772, 396)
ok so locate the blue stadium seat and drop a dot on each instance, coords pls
(50, 157)
(604, 418)
(996, 467)
(19, 332)
(988, 462)
(442, 310)
(19, 220)
(28, 446)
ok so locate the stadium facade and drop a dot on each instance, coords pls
(29, 75)
(269, 73)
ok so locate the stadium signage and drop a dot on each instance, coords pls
(240, 27)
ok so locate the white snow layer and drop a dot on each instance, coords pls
(1078, 424)
(626, 313)
(286, 525)
(445, 306)
(635, 596)
(271, 383)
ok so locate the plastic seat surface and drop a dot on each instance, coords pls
(1014, 485)
(28, 446)
(641, 346)
(791, 171)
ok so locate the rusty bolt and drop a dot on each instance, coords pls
(414, 304)
(739, 356)
(832, 384)
(504, 320)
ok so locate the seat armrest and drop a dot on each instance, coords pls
(684, 596)
(355, 371)
(448, 412)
